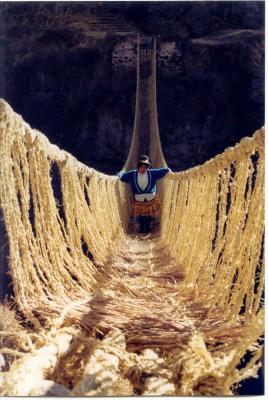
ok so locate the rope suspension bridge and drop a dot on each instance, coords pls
(108, 312)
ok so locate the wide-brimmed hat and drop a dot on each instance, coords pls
(144, 160)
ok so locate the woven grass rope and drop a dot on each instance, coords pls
(109, 313)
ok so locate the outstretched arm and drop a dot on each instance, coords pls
(124, 176)
(160, 172)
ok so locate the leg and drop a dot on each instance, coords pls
(148, 224)
(142, 223)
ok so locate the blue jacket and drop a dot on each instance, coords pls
(153, 175)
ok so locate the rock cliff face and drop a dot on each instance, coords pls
(70, 70)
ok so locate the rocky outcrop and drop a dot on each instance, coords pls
(69, 69)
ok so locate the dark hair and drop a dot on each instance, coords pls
(141, 163)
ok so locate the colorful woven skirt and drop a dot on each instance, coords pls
(150, 207)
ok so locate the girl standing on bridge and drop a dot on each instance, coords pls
(145, 202)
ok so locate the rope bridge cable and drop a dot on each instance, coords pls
(212, 222)
(48, 253)
(145, 134)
